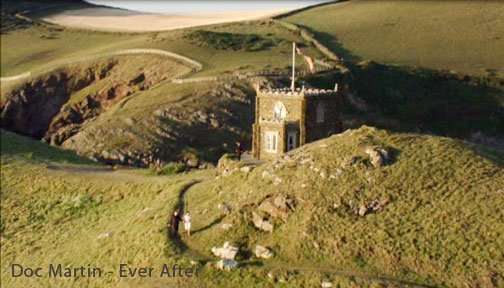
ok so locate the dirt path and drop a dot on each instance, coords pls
(197, 66)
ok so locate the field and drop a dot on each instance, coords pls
(42, 48)
(441, 226)
(105, 123)
(463, 36)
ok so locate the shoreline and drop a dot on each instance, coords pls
(122, 20)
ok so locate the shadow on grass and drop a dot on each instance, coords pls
(433, 101)
(206, 141)
(173, 237)
(213, 223)
(14, 145)
(419, 100)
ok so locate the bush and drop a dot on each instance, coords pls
(230, 41)
(170, 169)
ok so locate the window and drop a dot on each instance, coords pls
(320, 113)
(271, 141)
(279, 111)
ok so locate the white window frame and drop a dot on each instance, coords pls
(271, 141)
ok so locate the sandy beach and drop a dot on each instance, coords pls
(110, 19)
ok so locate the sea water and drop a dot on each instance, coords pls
(209, 6)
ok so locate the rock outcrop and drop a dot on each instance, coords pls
(378, 156)
(262, 252)
(227, 251)
(261, 223)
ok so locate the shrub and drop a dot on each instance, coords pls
(171, 169)
(230, 41)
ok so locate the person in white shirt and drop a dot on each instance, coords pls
(187, 223)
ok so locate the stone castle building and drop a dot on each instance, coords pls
(288, 118)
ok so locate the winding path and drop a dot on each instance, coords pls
(197, 66)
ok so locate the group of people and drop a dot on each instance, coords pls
(175, 220)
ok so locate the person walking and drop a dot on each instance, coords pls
(187, 223)
(174, 222)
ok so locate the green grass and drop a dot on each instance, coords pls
(139, 124)
(454, 35)
(28, 49)
(63, 212)
(442, 225)
(15, 146)
(230, 41)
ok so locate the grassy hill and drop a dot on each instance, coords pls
(42, 46)
(145, 120)
(418, 65)
(455, 35)
(439, 224)
(430, 217)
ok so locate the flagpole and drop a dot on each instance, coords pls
(293, 85)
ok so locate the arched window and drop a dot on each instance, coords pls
(279, 111)
(320, 113)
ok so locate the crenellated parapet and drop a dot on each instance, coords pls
(298, 92)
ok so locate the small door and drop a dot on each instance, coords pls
(292, 140)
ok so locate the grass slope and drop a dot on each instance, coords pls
(442, 225)
(57, 215)
(457, 35)
(42, 46)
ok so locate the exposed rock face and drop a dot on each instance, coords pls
(261, 223)
(278, 206)
(225, 252)
(30, 109)
(226, 264)
(227, 165)
(40, 108)
(262, 252)
(378, 156)
(373, 206)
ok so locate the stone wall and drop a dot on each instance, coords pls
(332, 112)
(292, 105)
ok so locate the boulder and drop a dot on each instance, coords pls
(226, 264)
(227, 165)
(278, 206)
(378, 156)
(262, 252)
(260, 223)
(247, 169)
(268, 207)
(225, 252)
(104, 235)
(226, 208)
(363, 210)
(226, 226)
(373, 206)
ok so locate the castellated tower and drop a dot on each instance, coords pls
(286, 119)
